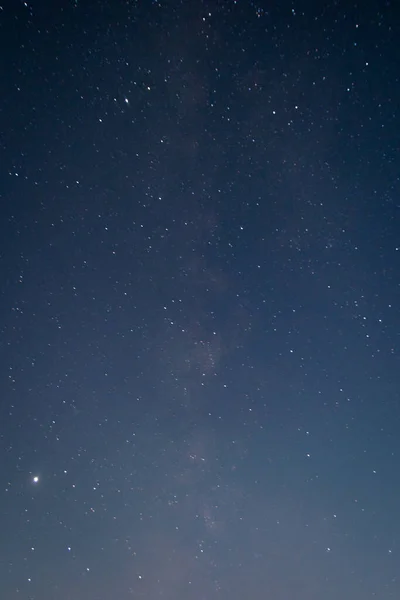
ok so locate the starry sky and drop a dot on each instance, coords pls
(199, 305)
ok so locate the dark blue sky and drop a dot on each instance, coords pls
(200, 303)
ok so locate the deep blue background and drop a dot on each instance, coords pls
(199, 307)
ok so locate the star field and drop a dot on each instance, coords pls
(199, 304)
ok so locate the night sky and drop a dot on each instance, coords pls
(200, 300)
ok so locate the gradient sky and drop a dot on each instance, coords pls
(200, 301)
